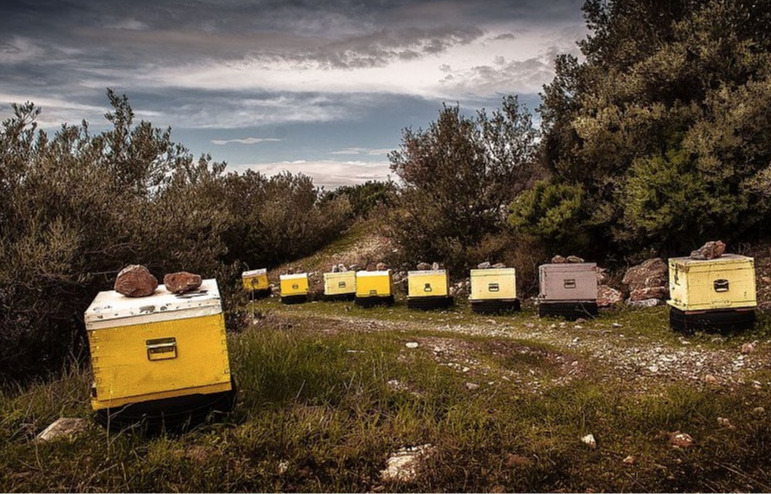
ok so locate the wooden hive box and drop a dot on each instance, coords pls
(374, 288)
(340, 286)
(428, 289)
(568, 290)
(494, 290)
(713, 294)
(164, 352)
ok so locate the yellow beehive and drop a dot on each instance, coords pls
(157, 347)
(256, 280)
(493, 284)
(493, 290)
(340, 285)
(374, 287)
(428, 289)
(428, 283)
(727, 282)
(294, 287)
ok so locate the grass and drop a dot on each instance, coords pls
(316, 412)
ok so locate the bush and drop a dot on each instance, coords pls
(458, 177)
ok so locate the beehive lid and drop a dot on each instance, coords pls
(253, 273)
(687, 261)
(373, 273)
(111, 309)
(293, 276)
(493, 271)
(426, 272)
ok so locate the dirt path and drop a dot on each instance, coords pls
(615, 351)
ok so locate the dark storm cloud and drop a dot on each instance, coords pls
(67, 52)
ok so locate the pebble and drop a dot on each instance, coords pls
(412, 344)
(680, 440)
(748, 348)
(709, 378)
(629, 460)
(472, 386)
(618, 325)
(758, 410)
(589, 441)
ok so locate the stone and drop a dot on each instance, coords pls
(423, 266)
(629, 460)
(710, 379)
(589, 441)
(402, 466)
(341, 268)
(659, 292)
(617, 325)
(283, 466)
(680, 440)
(135, 280)
(472, 386)
(499, 265)
(484, 265)
(602, 276)
(724, 422)
(748, 348)
(649, 274)
(381, 266)
(558, 259)
(182, 282)
(758, 410)
(642, 304)
(435, 266)
(412, 344)
(354, 267)
(608, 297)
(574, 259)
(63, 428)
(710, 250)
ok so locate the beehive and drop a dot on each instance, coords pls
(162, 355)
(714, 294)
(428, 289)
(568, 290)
(256, 282)
(494, 290)
(294, 288)
(340, 286)
(374, 288)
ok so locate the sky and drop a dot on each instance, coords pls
(319, 87)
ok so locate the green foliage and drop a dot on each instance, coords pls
(458, 176)
(552, 212)
(665, 124)
(280, 218)
(366, 197)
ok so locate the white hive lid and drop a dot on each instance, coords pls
(427, 271)
(373, 273)
(293, 276)
(110, 308)
(254, 272)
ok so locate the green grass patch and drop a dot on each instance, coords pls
(321, 406)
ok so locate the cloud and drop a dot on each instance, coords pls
(19, 49)
(326, 173)
(362, 151)
(130, 25)
(246, 140)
